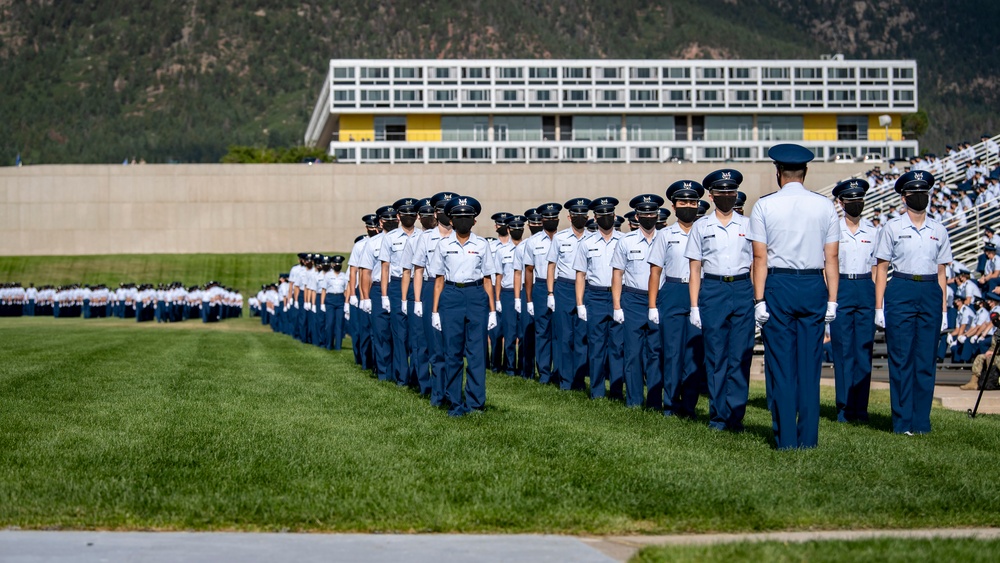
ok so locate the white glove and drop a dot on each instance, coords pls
(950, 339)
(284, 308)
(581, 312)
(322, 307)
(695, 317)
(347, 309)
(403, 307)
(973, 339)
(831, 312)
(962, 339)
(760, 313)
(550, 302)
(499, 307)
(436, 321)
(366, 305)
(353, 301)
(618, 316)
(385, 303)
(880, 318)
(531, 308)
(295, 304)
(491, 322)
(654, 315)
(517, 305)
(418, 309)
(307, 306)
(944, 321)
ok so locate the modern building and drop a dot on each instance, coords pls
(611, 110)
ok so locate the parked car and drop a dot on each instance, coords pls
(842, 158)
(872, 157)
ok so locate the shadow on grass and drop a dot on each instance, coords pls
(876, 421)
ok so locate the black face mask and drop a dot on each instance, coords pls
(854, 208)
(336, 268)
(686, 214)
(724, 203)
(463, 225)
(535, 228)
(516, 234)
(661, 226)
(325, 267)
(917, 201)
(578, 221)
(647, 223)
(389, 225)
(605, 222)
(408, 221)
(503, 231)
(443, 219)
(428, 221)
(372, 232)
(550, 225)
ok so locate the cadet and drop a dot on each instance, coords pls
(423, 292)
(629, 297)
(526, 328)
(391, 256)
(296, 296)
(496, 341)
(703, 207)
(661, 219)
(371, 289)
(722, 300)
(362, 332)
(419, 356)
(918, 248)
(796, 236)
(605, 338)
(536, 269)
(852, 333)
(463, 305)
(741, 200)
(681, 344)
(508, 321)
(334, 294)
(633, 225)
(570, 358)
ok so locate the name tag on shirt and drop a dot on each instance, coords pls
(451, 252)
(508, 259)
(637, 254)
(594, 252)
(540, 250)
(565, 247)
(398, 245)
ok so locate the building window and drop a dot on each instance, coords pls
(475, 73)
(407, 72)
(709, 73)
(374, 95)
(444, 95)
(780, 128)
(343, 95)
(728, 128)
(477, 95)
(510, 95)
(374, 73)
(680, 95)
(774, 95)
(543, 96)
(341, 73)
(506, 72)
(739, 73)
(874, 73)
(610, 73)
(609, 95)
(903, 95)
(442, 73)
(708, 95)
(808, 96)
(596, 127)
(902, 73)
(677, 73)
(842, 95)
(650, 127)
(643, 73)
(542, 72)
(808, 73)
(643, 95)
(776, 73)
(576, 95)
(407, 95)
(874, 95)
(746, 95)
(852, 127)
(577, 73)
(841, 73)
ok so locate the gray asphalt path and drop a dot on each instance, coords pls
(163, 547)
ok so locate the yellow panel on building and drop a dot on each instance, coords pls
(820, 127)
(357, 127)
(423, 127)
(876, 132)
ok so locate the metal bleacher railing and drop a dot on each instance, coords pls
(966, 242)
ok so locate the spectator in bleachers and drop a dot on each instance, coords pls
(992, 149)
(991, 269)
(963, 323)
(967, 289)
(986, 346)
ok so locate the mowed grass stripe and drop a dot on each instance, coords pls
(111, 424)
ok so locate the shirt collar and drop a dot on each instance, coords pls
(792, 186)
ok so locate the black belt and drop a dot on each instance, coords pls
(673, 280)
(864, 276)
(794, 272)
(396, 278)
(505, 289)
(915, 277)
(727, 279)
(592, 287)
(628, 289)
(460, 285)
(566, 280)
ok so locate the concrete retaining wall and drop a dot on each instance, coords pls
(228, 208)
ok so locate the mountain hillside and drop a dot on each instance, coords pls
(103, 80)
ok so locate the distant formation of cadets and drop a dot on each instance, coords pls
(163, 303)
(654, 316)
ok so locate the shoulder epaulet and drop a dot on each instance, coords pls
(766, 195)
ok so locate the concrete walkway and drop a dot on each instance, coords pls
(156, 547)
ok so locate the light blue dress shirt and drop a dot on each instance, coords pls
(722, 250)
(911, 250)
(796, 225)
(593, 257)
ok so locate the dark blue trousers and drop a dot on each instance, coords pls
(381, 335)
(526, 338)
(543, 332)
(683, 350)
(398, 327)
(508, 323)
(333, 322)
(727, 328)
(642, 352)
(852, 336)
(912, 324)
(364, 336)
(419, 370)
(464, 313)
(605, 345)
(570, 352)
(793, 356)
(435, 348)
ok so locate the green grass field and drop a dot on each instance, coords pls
(245, 272)
(109, 424)
(833, 551)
